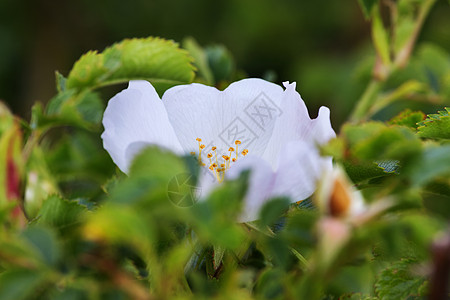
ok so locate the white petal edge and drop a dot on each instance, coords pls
(200, 111)
(300, 167)
(291, 125)
(261, 181)
(136, 114)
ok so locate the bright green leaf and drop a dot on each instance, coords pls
(408, 118)
(436, 126)
(157, 60)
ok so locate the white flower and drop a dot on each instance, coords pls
(253, 116)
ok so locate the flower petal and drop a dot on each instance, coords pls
(221, 117)
(300, 166)
(260, 184)
(136, 114)
(295, 124)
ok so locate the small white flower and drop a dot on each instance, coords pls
(253, 124)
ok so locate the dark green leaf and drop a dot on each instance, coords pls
(221, 62)
(367, 6)
(44, 242)
(273, 210)
(20, 284)
(435, 162)
(60, 213)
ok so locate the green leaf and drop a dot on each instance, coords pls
(436, 126)
(121, 225)
(153, 174)
(273, 210)
(380, 38)
(367, 6)
(200, 59)
(376, 141)
(434, 162)
(82, 110)
(408, 118)
(20, 284)
(60, 82)
(157, 60)
(44, 241)
(215, 219)
(221, 62)
(398, 282)
(218, 256)
(61, 214)
(79, 163)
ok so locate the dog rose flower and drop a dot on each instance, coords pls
(252, 125)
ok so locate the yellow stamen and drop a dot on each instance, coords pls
(219, 172)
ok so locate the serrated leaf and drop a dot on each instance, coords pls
(398, 282)
(154, 59)
(408, 118)
(376, 141)
(60, 213)
(436, 126)
(367, 6)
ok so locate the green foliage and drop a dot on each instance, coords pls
(74, 227)
(408, 118)
(157, 60)
(436, 126)
(367, 6)
(398, 282)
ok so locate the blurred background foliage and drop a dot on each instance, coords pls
(75, 227)
(323, 45)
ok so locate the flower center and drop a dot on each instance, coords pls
(219, 164)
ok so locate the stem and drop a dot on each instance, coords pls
(381, 72)
(30, 144)
(404, 54)
(366, 101)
